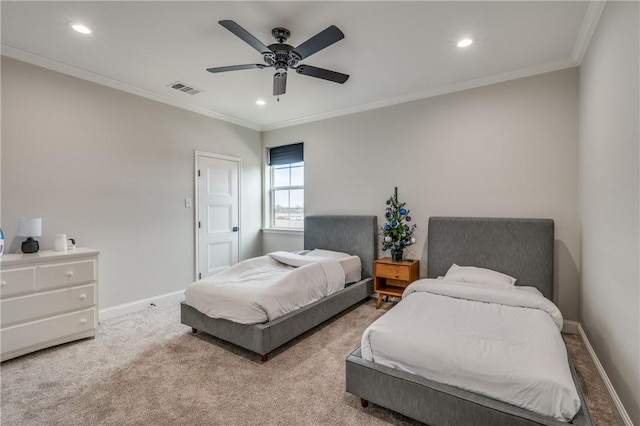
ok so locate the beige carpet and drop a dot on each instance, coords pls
(147, 368)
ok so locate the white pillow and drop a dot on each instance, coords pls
(472, 274)
(328, 253)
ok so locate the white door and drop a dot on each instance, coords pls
(217, 182)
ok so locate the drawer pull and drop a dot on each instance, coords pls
(3, 284)
(69, 274)
(83, 321)
(82, 296)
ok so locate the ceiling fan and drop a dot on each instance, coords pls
(282, 56)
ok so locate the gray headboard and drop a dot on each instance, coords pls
(350, 234)
(522, 248)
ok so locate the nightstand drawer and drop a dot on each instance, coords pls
(66, 274)
(17, 281)
(391, 278)
(397, 272)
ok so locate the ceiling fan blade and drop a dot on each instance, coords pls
(318, 42)
(245, 36)
(312, 71)
(279, 84)
(236, 67)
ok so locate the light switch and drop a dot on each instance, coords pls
(187, 203)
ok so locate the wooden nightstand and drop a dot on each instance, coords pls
(391, 278)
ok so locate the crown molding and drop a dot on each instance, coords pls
(588, 27)
(471, 84)
(53, 65)
(125, 87)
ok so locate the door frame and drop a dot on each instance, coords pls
(196, 199)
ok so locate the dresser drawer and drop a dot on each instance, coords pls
(39, 334)
(17, 281)
(66, 274)
(397, 272)
(39, 305)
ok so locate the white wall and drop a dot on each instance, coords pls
(112, 170)
(287, 241)
(609, 198)
(506, 150)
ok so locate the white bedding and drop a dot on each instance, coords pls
(264, 288)
(499, 342)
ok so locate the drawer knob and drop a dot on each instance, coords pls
(3, 284)
(83, 321)
(82, 296)
(69, 274)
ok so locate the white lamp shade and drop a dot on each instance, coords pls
(30, 227)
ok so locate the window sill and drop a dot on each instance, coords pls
(283, 231)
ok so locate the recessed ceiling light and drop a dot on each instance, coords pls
(82, 29)
(465, 42)
(261, 102)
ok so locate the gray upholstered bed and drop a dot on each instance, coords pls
(355, 235)
(522, 248)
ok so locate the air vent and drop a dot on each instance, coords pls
(178, 85)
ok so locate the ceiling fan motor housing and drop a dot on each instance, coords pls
(283, 60)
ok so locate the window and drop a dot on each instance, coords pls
(286, 170)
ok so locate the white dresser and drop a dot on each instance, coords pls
(47, 298)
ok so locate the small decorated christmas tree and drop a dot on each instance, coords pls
(396, 234)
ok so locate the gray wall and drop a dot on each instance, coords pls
(112, 170)
(609, 198)
(506, 150)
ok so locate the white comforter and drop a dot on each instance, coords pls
(502, 343)
(264, 288)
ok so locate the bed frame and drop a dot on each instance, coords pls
(522, 248)
(350, 234)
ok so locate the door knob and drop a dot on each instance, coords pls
(235, 229)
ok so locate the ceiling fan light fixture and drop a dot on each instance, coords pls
(82, 29)
(279, 84)
(261, 102)
(465, 42)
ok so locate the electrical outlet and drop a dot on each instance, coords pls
(187, 203)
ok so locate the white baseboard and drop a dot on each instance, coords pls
(570, 327)
(139, 305)
(616, 400)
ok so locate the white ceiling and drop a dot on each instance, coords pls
(394, 51)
